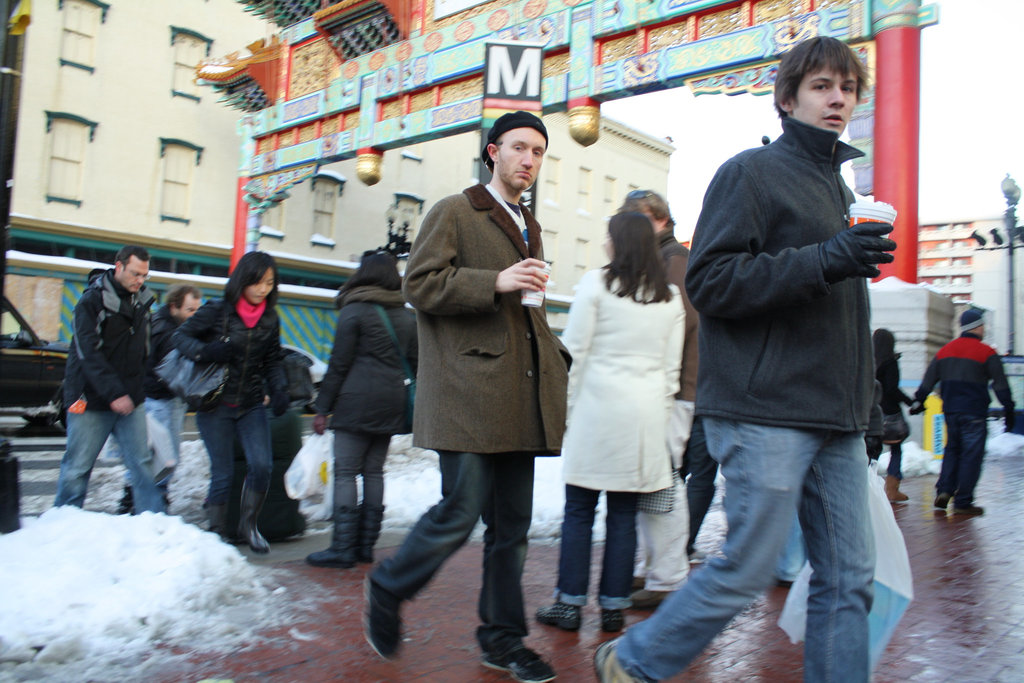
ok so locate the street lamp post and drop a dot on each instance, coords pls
(1012, 193)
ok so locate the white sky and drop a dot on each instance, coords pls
(971, 104)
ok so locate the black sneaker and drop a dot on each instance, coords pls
(969, 510)
(524, 664)
(612, 620)
(382, 625)
(942, 501)
(560, 614)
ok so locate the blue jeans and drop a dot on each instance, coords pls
(219, 428)
(354, 455)
(86, 434)
(499, 489)
(170, 412)
(895, 461)
(619, 547)
(961, 461)
(793, 556)
(771, 472)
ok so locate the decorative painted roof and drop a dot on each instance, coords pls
(282, 12)
(246, 80)
(358, 27)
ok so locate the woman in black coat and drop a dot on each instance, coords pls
(365, 392)
(887, 372)
(241, 331)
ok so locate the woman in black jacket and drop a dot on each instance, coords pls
(365, 392)
(887, 372)
(241, 331)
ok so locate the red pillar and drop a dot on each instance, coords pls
(897, 134)
(241, 222)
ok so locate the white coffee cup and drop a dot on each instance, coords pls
(868, 211)
(534, 299)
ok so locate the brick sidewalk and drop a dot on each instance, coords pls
(965, 624)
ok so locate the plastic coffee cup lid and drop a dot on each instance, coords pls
(879, 211)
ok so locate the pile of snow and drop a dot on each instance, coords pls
(92, 596)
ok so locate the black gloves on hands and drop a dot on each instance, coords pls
(916, 408)
(279, 403)
(873, 444)
(218, 351)
(1010, 417)
(856, 251)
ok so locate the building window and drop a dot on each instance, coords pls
(581, 258)
(180, 159)
(189, 49)
(584, 189)
(326, 191)
(610, 195)
(69, 135)
(82, 19)
(552, 180)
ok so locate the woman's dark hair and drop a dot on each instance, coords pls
(815, 54)
(376, 268)
(250, 270)
(885, 345)
(636, 264)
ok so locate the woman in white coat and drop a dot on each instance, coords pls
(625, 333)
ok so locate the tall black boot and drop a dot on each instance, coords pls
(126, 505)
(342, 553)
(249, 512)
(369, 531)
(216, 516)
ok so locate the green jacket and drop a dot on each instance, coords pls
(492, 376)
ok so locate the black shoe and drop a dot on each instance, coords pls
(383, 625)
(942, 501)
(560, 614)
(969, 510)
(126, 506)
(524, 664)
(612, 620)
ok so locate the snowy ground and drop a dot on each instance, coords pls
(88, 595)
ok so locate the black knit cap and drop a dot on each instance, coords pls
(505, 123)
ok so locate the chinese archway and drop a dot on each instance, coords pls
(357, 78)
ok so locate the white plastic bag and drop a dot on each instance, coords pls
(312, 467)
(893, 587)
(160, 448)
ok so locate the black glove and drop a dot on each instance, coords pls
(1010, 418)
(217, 352)
(854, 252)
(916, 408)
(279, 403)
(873, 444)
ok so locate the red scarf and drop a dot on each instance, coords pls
(250, 314)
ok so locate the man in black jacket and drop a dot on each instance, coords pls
(785, 381)
(103, 380)
(169, 410)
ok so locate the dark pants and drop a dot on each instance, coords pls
(219, 428)
(700, 487)
(357, 454)
(499, 489)
(961, 461)
(619, 547)
(895, 461)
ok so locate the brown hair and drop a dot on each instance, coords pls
(636, 266)
(176, 294)
(813, 55)
(640, 201)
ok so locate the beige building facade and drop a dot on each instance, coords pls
(116, 144)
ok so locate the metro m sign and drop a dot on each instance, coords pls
(512, 72)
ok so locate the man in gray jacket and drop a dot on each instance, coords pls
(490, 395)
(785, 382)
